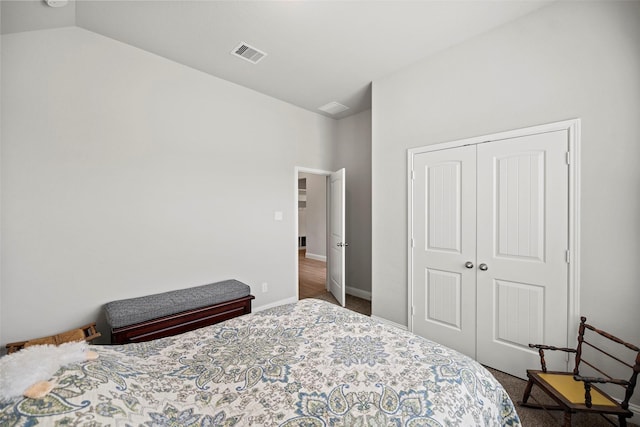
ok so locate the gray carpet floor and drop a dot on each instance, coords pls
(539, 418)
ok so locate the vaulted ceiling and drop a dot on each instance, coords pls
(317, 51)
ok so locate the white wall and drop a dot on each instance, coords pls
(568, 60)
(125, 174)
(353, 152)
(315, 215)
(32, 15)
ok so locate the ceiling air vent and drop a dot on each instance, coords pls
(333, 108)
(248, 53)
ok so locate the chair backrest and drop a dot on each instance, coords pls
(630, 384)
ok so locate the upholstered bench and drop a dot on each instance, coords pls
(174, 312)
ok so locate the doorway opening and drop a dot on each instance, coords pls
(312, 236)
(334, 248)
(320, 270)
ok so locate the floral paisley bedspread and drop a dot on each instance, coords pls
(304, 364)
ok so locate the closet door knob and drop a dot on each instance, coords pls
(483, 267)
(468, 264)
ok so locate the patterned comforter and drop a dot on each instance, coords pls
(304, 364)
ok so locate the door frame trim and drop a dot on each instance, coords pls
(572, 126)
(326, 174)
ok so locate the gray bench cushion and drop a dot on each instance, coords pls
(136, 310)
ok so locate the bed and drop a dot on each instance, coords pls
(305, 364)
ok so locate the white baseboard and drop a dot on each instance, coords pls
(316, 257)
(274, 304)
(390, 323)
(358, 293)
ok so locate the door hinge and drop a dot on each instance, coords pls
(413, 175)
(568, 256)
(568, 157)
(413, 243)
(413, 311)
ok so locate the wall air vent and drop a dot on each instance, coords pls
(248, 53)
(333, 108)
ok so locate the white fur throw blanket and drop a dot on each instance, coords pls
(22, 369)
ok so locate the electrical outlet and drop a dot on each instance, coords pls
(265, 287)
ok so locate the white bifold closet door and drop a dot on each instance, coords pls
(490, 224)
(444, 291)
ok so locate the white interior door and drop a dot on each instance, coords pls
(337, 244)
(523, 220)
(444, 289)
(490, 231)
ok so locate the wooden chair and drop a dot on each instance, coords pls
(576, 393)
(84, 333)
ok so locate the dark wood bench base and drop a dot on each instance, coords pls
(181, 322)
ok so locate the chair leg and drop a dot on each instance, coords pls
(567, 419)
(524, 402)
(622, 421)
(527, 391)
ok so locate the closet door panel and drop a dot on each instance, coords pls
(444, 237)
(522, 208)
